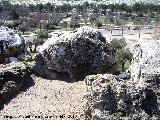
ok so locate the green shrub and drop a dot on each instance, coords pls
(123, 56)
(42, 33)
(50, 25)
(99, 24)
(117, 44)
(13, 25)
(74, 23)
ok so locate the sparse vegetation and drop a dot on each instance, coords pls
(120, 53)
(58, 65)
(74, 23)
(99, 24)
(42, 34)
(124, 56)
(117, 44)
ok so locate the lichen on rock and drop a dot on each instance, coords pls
(11, 44)
(137, 98)
(146, 59)
(112, 98)
(78, 53)
(12, 77)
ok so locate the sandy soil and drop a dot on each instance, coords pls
(48, 98)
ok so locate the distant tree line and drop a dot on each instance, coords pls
(24, 10)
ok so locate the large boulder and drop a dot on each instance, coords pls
(109, 98)
(138, 98)
(78, 53)
(11, 44)
(146, 60)
(12, 77)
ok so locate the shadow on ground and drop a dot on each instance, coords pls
(26, 85)
(62, 77)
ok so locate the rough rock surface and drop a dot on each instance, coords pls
(110, 98)
(12, 78)
(137, 98)
(81, 52)
(11, 44)
(146, 59)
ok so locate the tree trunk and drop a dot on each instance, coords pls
(30, 47)
(114, 53)
(123, 64)
(139, 33)
(122, 32)
(35, 48)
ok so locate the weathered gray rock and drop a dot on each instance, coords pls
(11, 44)
(12, 78)
(78, 53)
(146, 59)
(137, 98)
(115, 99)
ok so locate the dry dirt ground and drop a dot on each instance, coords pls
(48, 100)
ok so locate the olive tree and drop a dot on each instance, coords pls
(117, 44)
(42, 34)
(122, 56)
(92, 19)
(119, 52)
(75, 22)
(99, 24)
(65, 24)
(29, 39)
(140, 22)
(85, 19)
(121, 22)
(33, 40)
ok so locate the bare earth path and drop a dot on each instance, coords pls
(48, 98)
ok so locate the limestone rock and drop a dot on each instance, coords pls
(137, 98)
(146, 59)
(11, 44)
(110, 98)
(78, 53)
(12, 78)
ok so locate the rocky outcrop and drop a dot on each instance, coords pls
(112, 98)
(12, 77)
(146, 59)
(78, 53)
(11, 44)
